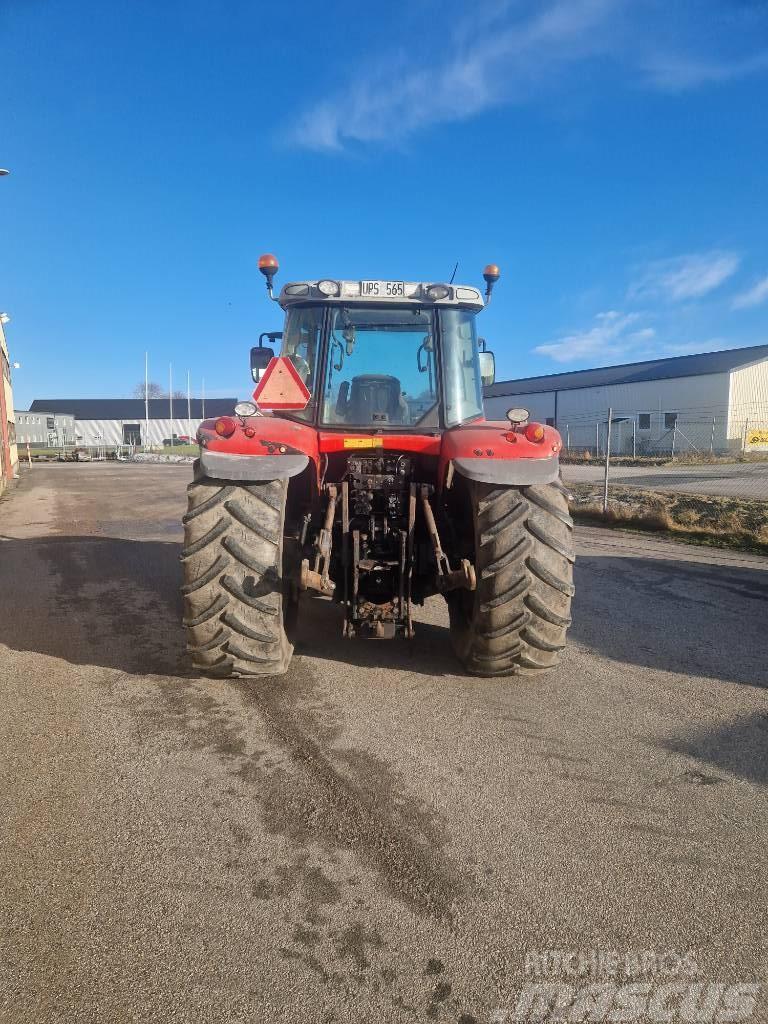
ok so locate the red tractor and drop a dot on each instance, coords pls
(365, 470)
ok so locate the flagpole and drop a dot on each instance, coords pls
(170, 394)
(189, 407)
(146, 399)
(203, 410)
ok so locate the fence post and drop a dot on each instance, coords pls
(746, 430)
(597, 440)
(607, 460)
(567, 438)
(712, 437)
(674, 438)
(634, 439)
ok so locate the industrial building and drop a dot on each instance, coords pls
(9, 454)
(112, 421)
(714, 401)
(44, 428)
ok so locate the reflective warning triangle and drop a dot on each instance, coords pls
(281, 387)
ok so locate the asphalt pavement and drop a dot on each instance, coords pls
(729, 480)
(373, 837)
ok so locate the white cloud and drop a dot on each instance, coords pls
(685, 277)
(675, 73)
(688, 348)
(391, 101)
(612, 336)
(515, 52)
(754, 296)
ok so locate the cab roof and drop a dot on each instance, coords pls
(396, 293)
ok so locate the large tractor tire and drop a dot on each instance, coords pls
(234, 599)
(517, 618)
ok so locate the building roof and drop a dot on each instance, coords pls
(39, 412)
(133, 408)
(632, 373)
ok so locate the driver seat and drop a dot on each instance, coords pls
(376, 398)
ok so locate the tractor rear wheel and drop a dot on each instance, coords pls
(517, 618)
(235, 597)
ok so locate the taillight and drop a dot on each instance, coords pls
(225, 426)
(534, 432)
(510, 436)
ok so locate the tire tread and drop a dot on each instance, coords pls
(233, 586)
(524, 563)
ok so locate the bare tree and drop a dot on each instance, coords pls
(154, 390)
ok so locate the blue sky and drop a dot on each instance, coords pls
(611, 157)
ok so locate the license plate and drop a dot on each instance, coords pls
(382, 289)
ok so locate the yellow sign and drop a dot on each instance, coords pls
(363, 442)
(757, 438)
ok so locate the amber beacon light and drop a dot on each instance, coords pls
(491, 275)
(269, 266)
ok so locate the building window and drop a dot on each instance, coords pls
(670, 419)
(643, 421)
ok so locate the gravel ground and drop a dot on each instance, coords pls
(373, 837)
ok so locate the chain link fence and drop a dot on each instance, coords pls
(31, 453)
(666, 435)
(695, 472)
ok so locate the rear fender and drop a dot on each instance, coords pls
(276, 450)
(482, 452)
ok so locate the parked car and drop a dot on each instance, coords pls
(175, 441)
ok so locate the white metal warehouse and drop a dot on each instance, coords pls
(715, 401)
(112, 421)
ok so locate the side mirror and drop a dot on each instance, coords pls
(487, 368)
(261, 357)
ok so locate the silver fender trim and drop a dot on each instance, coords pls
(515, 472)
(221, 466)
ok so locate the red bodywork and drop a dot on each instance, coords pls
(480, 439)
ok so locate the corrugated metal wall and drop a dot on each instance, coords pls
(581, 414)
(749, 403)
(541, 405)
(110, 432)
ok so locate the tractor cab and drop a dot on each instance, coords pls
(383, 355)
